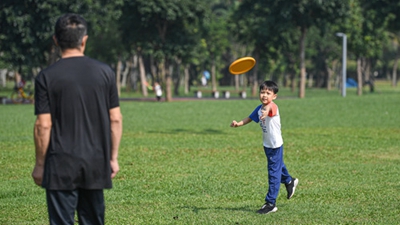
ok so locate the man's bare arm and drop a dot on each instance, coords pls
(116, 134)
(41, 133)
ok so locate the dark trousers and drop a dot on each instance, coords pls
(89, 205)
(277, 172)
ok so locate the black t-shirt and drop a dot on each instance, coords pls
(78, 92)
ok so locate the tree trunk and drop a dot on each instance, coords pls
(369, 77)
(302, 90)
(367, 69)
(3, 77)
(254, 88)
(142, 72)
(153, 70)
(359, 77)
(330, 72)
(168, 81)
(186, 85)
(236, 82)
(293, 81)
(124, 74)
(118, 74)
(177, 79)
(394, 73)
(328, 79)
(213, 75)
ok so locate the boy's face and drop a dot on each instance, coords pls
(267, 96)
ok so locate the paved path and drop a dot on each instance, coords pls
(7, 101)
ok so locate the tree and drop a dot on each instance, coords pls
(215, 36)
(268, 21)
(323, 50)
(27, 27)
(251, 26)
(165, 28)
(388, 10)
(366, 31)
(304, 14)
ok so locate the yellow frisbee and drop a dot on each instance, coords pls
(242, 65)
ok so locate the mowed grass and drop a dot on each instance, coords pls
(181, 163)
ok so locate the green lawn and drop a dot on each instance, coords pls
(181, 163)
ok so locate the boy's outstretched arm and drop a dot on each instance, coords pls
(241, 123)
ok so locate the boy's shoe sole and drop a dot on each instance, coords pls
(266, 208)
(291, 188)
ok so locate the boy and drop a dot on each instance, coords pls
(267, 114)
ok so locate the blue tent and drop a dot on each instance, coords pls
(351, 83)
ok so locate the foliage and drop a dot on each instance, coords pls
(27, 27)
(164, 28)
(199, 33)
(323, 51)
(365, 29)
(278, 28)
(26, 32)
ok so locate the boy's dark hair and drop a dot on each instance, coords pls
(269, 85)
(70, 30)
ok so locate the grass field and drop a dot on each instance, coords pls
(181, 163)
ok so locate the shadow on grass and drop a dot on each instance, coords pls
(197, 209)
(188, 131)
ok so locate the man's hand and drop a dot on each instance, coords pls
(37, 175)
(114, 168)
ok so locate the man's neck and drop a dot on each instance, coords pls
(67, 53)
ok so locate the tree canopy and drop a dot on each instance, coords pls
(292, 40)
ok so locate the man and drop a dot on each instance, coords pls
(77, 130)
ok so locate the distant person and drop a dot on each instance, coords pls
(203, 81)
(20, 84)
(77, 130)
(267, 115)
(158, 91)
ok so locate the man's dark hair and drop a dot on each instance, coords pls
(70, 30)
(269, 85)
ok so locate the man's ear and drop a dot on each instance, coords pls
(55, 40)
(84, 39)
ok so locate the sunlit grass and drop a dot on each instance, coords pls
(181, 163)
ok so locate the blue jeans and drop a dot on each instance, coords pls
(277, 172)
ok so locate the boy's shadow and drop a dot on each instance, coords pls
(197, 209)
(189, 131)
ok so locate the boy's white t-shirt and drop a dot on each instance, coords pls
(271, 126)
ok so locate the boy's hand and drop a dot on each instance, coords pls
(265, 111)
(234, 124)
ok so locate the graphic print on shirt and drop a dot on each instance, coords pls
(263, 125)
(263, 122)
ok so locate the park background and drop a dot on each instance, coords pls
(181, 163)
(177, 42)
